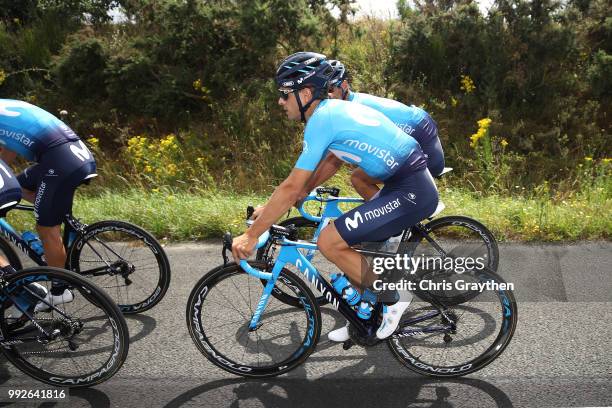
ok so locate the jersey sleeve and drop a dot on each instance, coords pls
(317, 138)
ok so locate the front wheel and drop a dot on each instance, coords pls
(126, 261)
(219, 311)
(76, 344)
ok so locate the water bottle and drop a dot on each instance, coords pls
(368, 301)
(343, 287)
(33, 242)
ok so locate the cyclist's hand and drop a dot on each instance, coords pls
(257, 212)
(243, 247)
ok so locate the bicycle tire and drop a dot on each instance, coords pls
(414, 361)
(159, 280)
(118, 346)
(11, 255)
(196, 323)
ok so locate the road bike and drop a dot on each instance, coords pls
(122, 258)
(251, 332)
(449, 237)
(76, 344)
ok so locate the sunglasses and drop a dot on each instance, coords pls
(284, 93)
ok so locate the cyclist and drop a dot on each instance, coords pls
(359, 135)
(62, 163)
(412, 120)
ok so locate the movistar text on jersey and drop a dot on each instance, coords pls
(443, 285)
(411, 264)
(20, 137)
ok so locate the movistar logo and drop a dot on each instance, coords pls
(82, 153)
(353, 223)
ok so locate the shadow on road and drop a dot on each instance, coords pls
(366, 392)
(147, 323)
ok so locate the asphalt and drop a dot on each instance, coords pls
(560, 356)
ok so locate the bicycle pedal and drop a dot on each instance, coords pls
(348, 344)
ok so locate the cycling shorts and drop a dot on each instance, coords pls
(426, 133)
(407, 198)
(55, 178)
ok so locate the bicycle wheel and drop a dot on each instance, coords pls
(125, 260)
(451, 240)
(306, 230)
(220, 308)
(484, 327)
(9, 253)
(90, 338)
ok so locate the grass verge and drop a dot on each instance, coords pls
(181, 216)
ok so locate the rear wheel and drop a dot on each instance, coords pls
(449, 242)
(484, 327)
(126, 261)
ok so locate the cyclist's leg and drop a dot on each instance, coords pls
(405, 200)
(61, 172)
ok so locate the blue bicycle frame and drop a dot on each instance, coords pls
(290, 254)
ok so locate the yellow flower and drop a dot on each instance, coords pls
(454, 102)
(155, 190)
(172, 169)
(148, 169)
(589, 159)
(197, 84)
(93, 141)
(606, 160)
(484, 123)
(467, 84)
(2, 76)
(168, 142)
(504, 142)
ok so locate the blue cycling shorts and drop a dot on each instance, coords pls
(55, 178)
(407, 198)
(426, 133)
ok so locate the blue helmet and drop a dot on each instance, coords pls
(340, 73)
(305, 69)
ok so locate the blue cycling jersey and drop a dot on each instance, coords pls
(29, 130)
(405, 117)
(358, 135)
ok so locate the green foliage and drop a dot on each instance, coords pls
(202, 70)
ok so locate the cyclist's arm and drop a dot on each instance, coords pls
(325, 170)
(7, 155)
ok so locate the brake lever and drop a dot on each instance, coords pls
(227, 245)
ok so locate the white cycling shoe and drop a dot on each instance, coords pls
(391, 318)
(339, 335)
(65, 297)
